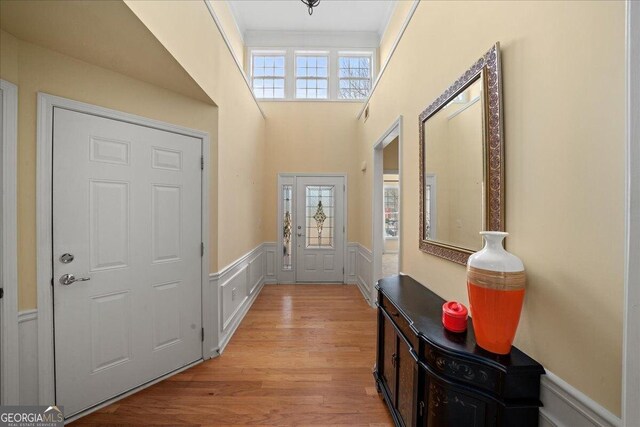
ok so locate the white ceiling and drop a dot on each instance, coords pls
(333, 16)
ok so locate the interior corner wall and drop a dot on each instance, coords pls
(564, 113)
(310, 137)
(231, 30)
(188, 32)
(35, 69)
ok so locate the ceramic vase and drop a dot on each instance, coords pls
(495, 282)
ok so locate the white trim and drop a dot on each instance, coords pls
(631, 334)
(9, 381)
(28, 350)
(377, 202)
(385, 62)
(352, 263)
(46, 104)
(216, 20)
(566, 406)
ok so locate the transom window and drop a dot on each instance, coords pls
(354, 74)
(268, 75)
(321, 74)
(312, 76)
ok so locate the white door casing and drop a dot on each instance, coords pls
(319, 255)
(9, 356)
(126, 205)
(377, 202)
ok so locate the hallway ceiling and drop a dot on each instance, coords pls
(330, 16)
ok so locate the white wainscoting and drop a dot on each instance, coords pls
(238, 285)
(565, 406)
(359, 269)
(272, 263)
(350, 276)
(28, 356)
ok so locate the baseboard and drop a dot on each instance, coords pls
(28, 356)
(566, 406)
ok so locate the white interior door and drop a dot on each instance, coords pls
(319, 229)
(127, 214)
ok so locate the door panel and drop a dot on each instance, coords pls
(319, 229)
(389, 372)
(406, 367)
(127, 205)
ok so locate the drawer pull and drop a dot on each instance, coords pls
(395, 314)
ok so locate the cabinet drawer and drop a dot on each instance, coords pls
(399, 320)
(462, 370)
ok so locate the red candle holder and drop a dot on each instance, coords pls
(454, 316)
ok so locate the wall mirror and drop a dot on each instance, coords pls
(461, 163)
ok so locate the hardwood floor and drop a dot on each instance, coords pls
(303, 355)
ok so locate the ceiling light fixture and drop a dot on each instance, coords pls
(311, 4)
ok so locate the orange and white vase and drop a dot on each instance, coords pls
(496, 282)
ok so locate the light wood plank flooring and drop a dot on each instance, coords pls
(303, 355)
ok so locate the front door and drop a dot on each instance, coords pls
(319, 229)
(126, 256)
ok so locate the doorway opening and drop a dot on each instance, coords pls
(391, 205)
(387, 203)
(311, 227)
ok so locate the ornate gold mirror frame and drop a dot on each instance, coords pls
(486, 68)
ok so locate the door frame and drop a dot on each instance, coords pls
(631, 334)
(295, 175)
(44, 227)
(10, 367)
(377, 202)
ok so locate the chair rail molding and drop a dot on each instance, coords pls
(10, 362)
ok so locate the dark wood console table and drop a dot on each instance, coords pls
(432, 377)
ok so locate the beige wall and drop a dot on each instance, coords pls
(34, 69)
(188, 32)
(400, 12)
(390, 155)
(317, 137)
(231, 30)
(563, 65)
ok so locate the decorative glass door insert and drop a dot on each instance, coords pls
(287, 226)
(319, 216)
